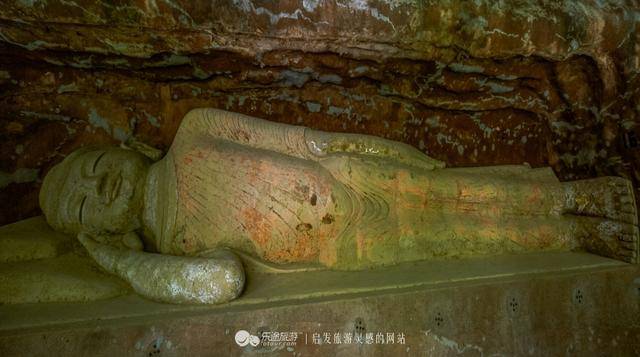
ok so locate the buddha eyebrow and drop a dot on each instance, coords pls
(95, 163)
(81, 207)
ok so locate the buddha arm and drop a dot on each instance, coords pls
(299, 141)
(215, 278)
(245, 130)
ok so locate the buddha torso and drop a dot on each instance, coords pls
(276, 207)
(343, 210)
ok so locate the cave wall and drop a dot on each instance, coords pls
(549, 83)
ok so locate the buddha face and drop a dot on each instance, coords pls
(99, 191)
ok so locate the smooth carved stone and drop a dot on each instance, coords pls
(69, 277)
(38, 264)
(280, 194)
(31, 239)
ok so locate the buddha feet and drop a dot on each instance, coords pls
(607, 216)
(607, 197)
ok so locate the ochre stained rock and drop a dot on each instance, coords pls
(469, 82)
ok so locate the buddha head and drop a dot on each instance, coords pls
(96, 190)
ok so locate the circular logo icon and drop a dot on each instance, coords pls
(243, 338)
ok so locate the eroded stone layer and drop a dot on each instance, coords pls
(470, 83)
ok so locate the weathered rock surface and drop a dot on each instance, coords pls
(470, 82)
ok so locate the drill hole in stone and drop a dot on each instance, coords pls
(359, 326)
(155, 349)
(439, 319)
(513, 305)
(578, 296)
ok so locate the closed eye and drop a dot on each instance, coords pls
(95, 163)
(81, 207)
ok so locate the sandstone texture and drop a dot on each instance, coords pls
(471, 83)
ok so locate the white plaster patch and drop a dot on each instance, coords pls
(67, 88)
(330, 78)
(313, 107)
(97, 121)
(151, 119)
(293, 78)
(311, 5)
(53, 117)
(363, 5)
(453, 345)
(361, 69)
(464, 68)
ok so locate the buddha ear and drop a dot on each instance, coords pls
(146, 150)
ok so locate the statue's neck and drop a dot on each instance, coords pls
(152, 209)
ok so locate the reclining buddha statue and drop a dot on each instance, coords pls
(233, 187)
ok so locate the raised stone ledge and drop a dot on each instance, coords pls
(519, 305)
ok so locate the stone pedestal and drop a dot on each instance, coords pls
(534, 304)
